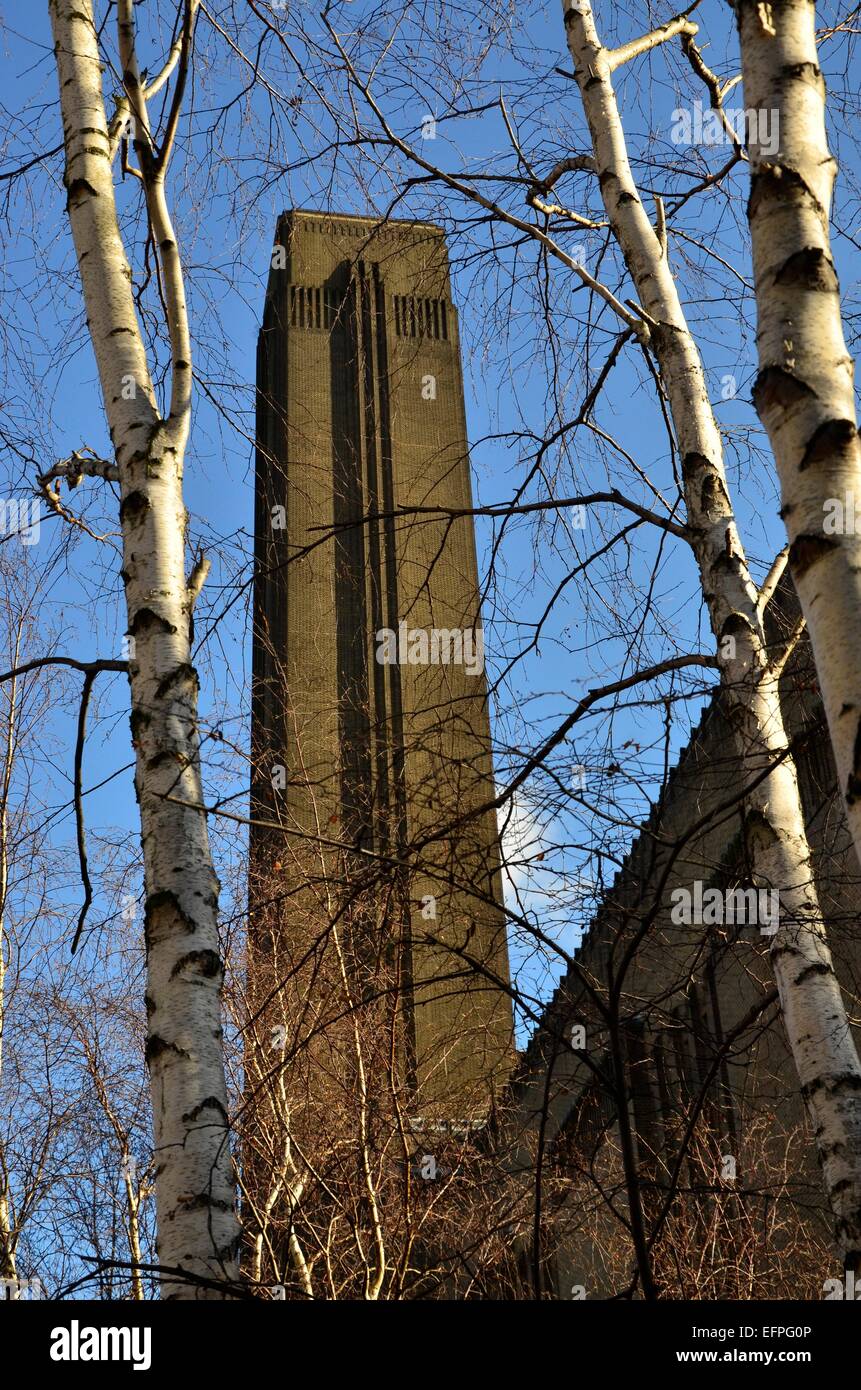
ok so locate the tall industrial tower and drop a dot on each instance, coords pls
(371, 732)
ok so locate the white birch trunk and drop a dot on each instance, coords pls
(804, 391)
(813, 1010)
(194, 1181)
(8, 1237)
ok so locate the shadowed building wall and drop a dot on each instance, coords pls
(689, 1032)
(370, 722)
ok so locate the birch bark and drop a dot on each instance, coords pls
(194, 1181)
(813, 1010)
(8, 1236)
(804, 391)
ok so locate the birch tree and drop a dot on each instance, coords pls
(814, 1013)
(651, 329)
(805, 391)
(197, 1226)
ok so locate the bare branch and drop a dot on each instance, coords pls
(638, 321)
(617, 56)
(80, 828)
(86, 666)
(153, 171)
(82, 463)
(185, 42)
(613, 497)
(772, 579)
(574, 164)
(777, 663)
(30, 164)
(717, 90)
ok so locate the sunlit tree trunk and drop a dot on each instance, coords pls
(197, 1226)
(805, 388)
(7, 1234)
(814, 1014)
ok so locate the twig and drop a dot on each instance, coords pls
(80, 828)
(681, 25)
(82, 463)
(85, 666)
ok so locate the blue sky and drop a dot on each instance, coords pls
(227, 198)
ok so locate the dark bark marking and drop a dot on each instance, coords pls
(784, 950)
(803, 72)
(139, 720)
(202, 1201)
(853, 786)
(758, 830)
(819, 968)
(807, 551)
(780, 183)
(694, 463)
(848, 1081)
(167, 755)
(830, 438)
(775, 386)
(810, 269)
(735, 625)
(166, 898)
(133, 507)
(843, 1185)
(183, 672)
(713, 496)
(157, 1047)
(210, 1103)
(78, 190)
(208, 964)
(145, 620)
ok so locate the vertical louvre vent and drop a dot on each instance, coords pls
(312, 307)
(420, 318)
